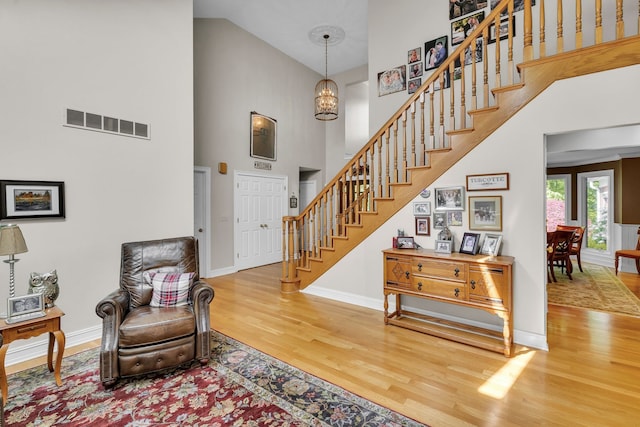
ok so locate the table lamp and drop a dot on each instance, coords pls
(11, 243)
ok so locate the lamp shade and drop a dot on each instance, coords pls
(11, 240)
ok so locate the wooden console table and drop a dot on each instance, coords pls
(32, 328)
(476, 281)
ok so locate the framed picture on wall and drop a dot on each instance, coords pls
(485, 213)
(31, 199)
(263, 136)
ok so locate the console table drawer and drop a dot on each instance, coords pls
(439, 268)
(439, 288)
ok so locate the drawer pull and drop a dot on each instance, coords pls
(473, 284)
(420, 267)
(419, 286)
(456, 271)
(31, 328)
(457, 292)
(406, 273)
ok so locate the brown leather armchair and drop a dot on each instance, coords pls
(140, 335)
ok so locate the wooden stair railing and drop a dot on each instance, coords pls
(430, 132)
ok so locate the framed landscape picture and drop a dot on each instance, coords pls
(31, 199)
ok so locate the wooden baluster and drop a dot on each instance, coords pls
(528, 32)
(325, 239)
(441, 128)
(452, 99)
(393, 177)
(331, 207)
(307, 238)
(463, 96)
(318, 218)
(432, 120)
(387, 178)
(619, 20)
(365, 179)
(413, 133)
(474, 84)
(380, 192)
(404, 147)
(578, 24)
(372, 173)
(345, 203)
(510, 44)
(496, 25)
(422, 137)
(598, 21)
(485, 64)
(543, 43)
(559, 24)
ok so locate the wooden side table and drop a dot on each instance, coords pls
(29, 329)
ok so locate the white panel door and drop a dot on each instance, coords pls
(260, 205)
(202, 215)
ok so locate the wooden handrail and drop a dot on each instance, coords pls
(398, 148)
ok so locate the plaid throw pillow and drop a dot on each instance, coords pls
(170, 289)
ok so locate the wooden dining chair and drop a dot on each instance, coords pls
(576, 245)
(630, 253)
(559, 252)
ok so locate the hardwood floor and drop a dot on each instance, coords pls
(590, 376)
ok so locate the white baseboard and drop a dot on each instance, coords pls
(39, 346)
(524, 338)
(221, 272)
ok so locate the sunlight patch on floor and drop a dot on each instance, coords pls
(501, 382)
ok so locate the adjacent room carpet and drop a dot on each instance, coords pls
(239, 386)
(596, 289)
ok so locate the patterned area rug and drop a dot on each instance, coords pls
(240, 386)
(596, 289)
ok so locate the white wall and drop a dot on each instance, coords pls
(236, 73)
(517, 148)
(336, 137)
(126, 59)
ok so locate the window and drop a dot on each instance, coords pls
(596, 209)
(558, 200)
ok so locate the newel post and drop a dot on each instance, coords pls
(289, 282)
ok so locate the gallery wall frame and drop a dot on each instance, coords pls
(422, 226)
(485, 213)
(449, 198)
(31, 199)
(491, 181)
(264, 132)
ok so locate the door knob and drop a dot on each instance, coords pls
(200, 230)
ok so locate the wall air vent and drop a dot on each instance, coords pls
(96, 122)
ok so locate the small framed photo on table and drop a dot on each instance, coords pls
(406, 243)
(17, 307)
(470, 243)
(444, 246)
(491, 244)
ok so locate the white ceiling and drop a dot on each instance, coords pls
(285, 25)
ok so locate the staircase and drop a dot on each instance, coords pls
(437, 127)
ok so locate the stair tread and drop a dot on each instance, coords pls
(459, 131)
(483, 110)
(507, 88)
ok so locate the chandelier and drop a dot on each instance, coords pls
(326, 93)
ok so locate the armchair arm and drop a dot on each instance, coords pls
(112, 310)
(202, 295)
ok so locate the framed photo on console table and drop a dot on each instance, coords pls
(31, 199)
(491, 244)
(470, 243)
